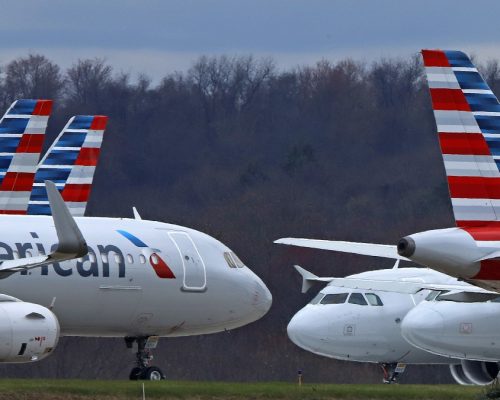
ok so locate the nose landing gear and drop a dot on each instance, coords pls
(142, 370)
(392, 371)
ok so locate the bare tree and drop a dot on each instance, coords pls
(86, 81)
(33, 76)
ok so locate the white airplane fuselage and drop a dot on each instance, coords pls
(140, 278)
(365, 333)
(455, 329)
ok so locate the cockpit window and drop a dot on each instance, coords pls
(373, 299)
(237, 261)
(229, 260)
(432, 295)
(317, 298)
(357, 298)
(334, 298)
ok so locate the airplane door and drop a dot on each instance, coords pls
(195, 277)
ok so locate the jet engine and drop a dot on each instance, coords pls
(474, 372)
(451, 251)
(28, 332)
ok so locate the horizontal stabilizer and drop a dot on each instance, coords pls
(71, 242)
(457, 291)
(365, 249)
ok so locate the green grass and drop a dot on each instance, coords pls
(28, 389)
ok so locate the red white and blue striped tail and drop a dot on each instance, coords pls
(22, 130)
(70, 163)
(468, 122)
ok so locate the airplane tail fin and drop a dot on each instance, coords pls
(70, 162)
(22, 131)
(467, 116)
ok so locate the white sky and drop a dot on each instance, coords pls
(160, 36)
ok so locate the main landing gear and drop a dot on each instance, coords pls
(392, 371)
(142, 370)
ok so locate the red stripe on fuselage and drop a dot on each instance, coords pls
(474, 187)
(463, 143)
(449, 99)
(435, 58)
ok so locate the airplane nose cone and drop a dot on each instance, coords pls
(263, 298)
(423, 327)
(301, 331)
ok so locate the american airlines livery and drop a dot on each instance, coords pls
(70, 163)
(101, 277)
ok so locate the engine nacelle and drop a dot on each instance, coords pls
(28, 332)
(480, 372)
(458, 374)
(451, 251)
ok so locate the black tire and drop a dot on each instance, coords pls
(153, 374)
(135, 374)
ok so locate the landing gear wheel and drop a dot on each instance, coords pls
(153, 374)
(135, 374)
(143, 356)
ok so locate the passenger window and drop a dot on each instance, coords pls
(373, 299)
(142, 259)
(15, 254)
(130, 259)
(357, 298)
(154, 259)
(104, 258)
(118, 259)
(229, 260)
(28, 253)
(92, 257)
(317, 298)
(335, 298)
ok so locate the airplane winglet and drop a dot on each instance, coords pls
(136, 214)
(307, 278)
(71, 241)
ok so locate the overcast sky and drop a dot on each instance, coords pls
(161, 36)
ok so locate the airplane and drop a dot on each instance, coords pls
(467, 115)
(132, 278)
(351, 321)
(110, 277)
(467, 330)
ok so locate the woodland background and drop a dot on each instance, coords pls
(248, 153)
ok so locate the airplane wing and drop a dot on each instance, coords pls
(398, 286)
(71, 241)
(366, 249)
